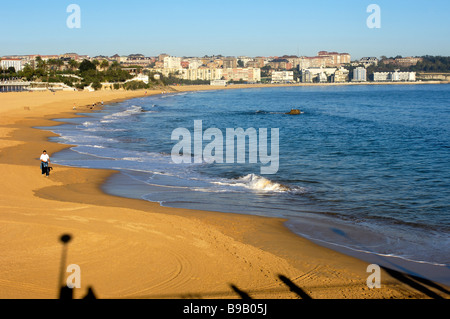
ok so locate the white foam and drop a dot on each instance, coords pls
(261, 184)
(86, 124)
(133, 159)
(360, 250)
(134, 109)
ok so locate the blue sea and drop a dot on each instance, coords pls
(364, 170)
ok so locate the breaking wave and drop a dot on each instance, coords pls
(134, 109)
(261, 184)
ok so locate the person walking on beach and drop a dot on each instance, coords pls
(45, 160)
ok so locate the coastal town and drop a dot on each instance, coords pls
(136, 71)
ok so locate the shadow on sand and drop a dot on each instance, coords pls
(416, 282)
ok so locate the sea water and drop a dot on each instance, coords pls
(364, 170)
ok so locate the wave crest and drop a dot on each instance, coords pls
(134, 109)
(262, 184)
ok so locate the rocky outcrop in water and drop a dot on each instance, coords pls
(294, 112)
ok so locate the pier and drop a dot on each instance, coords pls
(14, 86)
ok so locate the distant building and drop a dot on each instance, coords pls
(341, 75)
(337, 59)
(252, 64)
(194, 63)
(17, 64)
(205, 74)
(321, 74)
(218, 62)
(171, 62)
(395, 76)
(404, 76)
(49, 57)
(135, 59)
(169, 72)
(244, 59)
(307, 76)
(368, 61)
(213, 64)
(159, 65)
(323, 59)
(244, 74)
(322, 77)
(359, 74)
(73, 56)
(81, 58)
(282, 76)
(260, 62)
(313, 62)
(116, 57)
(280, 64)
(292, 61)
(381, 76)
(162, 56)
(100, 58)
(229, 63)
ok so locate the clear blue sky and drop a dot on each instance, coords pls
(244, 27)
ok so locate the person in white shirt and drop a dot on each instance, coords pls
(45, 160)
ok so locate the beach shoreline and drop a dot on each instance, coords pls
(130, 248)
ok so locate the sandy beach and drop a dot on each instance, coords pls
(130, 248)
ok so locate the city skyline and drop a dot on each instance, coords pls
(199, 28)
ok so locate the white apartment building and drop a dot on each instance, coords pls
(17, 64)
(311, 74)
(282, 76)
(195, 63)
(403, 76)
(245, 74)
(171, 62)
(395, 76)
(202, 74)
(359, 74)
(381, 76)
